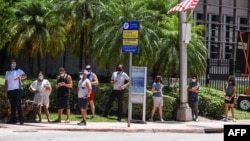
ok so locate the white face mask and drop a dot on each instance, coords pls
(13, 66)
(40, 77)
(193, 80)
(62, 74)
(81, 76)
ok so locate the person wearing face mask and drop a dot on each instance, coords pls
(229, 94)
(193, 97)
(157, 97)
(42, 89)
(84, 90)
(64, 84)
(120, 81)
(94, 82)
(13, 91)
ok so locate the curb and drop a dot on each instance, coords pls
(214, 130)
(129, 130)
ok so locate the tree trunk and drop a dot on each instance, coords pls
(81, 50)
(38, 63)
(46, 65)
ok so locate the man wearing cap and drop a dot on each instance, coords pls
(94, 82)
(14, 91)
(64, 84)
(120, 80)
(83, 90)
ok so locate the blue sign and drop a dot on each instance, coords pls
(130, 36)
(134, 49)
(131, 25)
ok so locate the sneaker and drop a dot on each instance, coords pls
(92, 117)
(83, 122)
(56, 121)
(37, 121)
(162, 120)
(151, 119)
(234, 120)
(67, 121)
(224, 119)
(197, 120)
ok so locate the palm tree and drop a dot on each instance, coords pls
(168, 59)
(78, 15)
(108, 32)
(6, 21)
(6, 30)
(39, 31)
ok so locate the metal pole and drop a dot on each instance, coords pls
(183, 112)
(129, 96)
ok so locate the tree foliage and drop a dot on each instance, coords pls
(6, 22)
(108, 32)
(93, 28)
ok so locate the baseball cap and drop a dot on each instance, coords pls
(84, 72)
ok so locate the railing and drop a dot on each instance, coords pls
(217, 74)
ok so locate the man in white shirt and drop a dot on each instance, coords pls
(14, 91)
(120, 80)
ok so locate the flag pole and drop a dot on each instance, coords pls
(184, 111)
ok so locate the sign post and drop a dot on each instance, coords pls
(130, 43)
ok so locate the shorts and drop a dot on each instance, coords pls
(230, 102)
(157, 101)
(63, 102)
(82, 103)
(92, 95)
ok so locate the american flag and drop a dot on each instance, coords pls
(184, 6)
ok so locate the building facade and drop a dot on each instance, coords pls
(223, 20)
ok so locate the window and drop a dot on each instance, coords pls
(227, 37)
(242, 24)
(213, 35)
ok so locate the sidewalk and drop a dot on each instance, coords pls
(203, 126)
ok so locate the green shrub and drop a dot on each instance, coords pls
(210, 104)
(211, 101)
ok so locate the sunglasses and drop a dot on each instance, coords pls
(88, 68)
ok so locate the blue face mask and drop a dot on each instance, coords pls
(13, 66)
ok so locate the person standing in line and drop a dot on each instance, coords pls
(84, 90)
(42, 90)
(94, 82)
(64, 84)
(13, 91)
(230, 91)
(120, 80)
(193, 97)
(157, 97)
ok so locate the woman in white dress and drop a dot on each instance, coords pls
(42, 90)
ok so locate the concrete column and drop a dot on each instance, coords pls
(184, 111)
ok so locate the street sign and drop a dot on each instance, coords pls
(130, 36)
